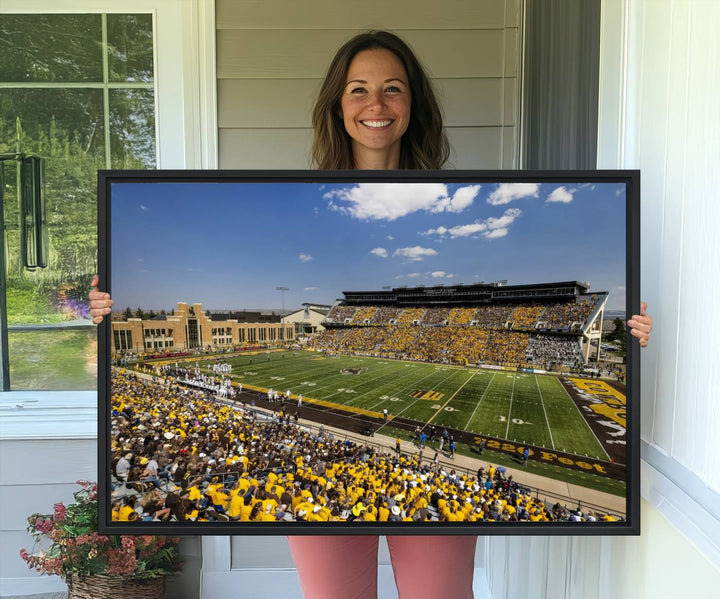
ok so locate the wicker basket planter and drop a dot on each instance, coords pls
(116, 587)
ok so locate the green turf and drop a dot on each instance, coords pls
(521, 407)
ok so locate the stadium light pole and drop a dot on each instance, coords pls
(282, 291)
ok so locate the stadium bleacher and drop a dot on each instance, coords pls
(219, 463)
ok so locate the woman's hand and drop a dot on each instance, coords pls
(641, 325)
(100, 302)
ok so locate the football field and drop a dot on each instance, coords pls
(522, 407)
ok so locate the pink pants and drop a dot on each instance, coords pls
(346, 567)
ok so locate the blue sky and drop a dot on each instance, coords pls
(229, 245)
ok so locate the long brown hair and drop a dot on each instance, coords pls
(424, 144)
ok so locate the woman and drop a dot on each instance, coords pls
(377, 110)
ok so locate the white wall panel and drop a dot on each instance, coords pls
(660, 84)
(288, 103)
(697, 424)
(399, 14)
(475, 147)
(654, 84)
(265, 148)
(306, 53)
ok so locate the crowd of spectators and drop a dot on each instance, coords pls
(385, 314)
(460, 316)
(448, 344)
(493, 317)
(341, 313)
(525, 316)
(178, 455)
(411, 315)
(564, 316)
(435, 316)
(363, 313)
(549, 349)
(558, 316)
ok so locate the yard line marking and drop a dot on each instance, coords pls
(419, 400)
(544, 412)
(512, 392)
(478, 403)
(472, 376)
(572, 401)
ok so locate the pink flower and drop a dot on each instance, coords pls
(128, 542)
(59, 512)
(24, 555)
(121, 562)
(43, 526)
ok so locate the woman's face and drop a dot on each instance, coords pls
(375, 105)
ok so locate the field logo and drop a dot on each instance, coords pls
(606, 400)
(431, 395)
(353, 371)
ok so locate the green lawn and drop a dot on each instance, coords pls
(54, 359)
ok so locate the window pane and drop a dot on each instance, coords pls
(50, 48)
(132, 128)
(130, 47)
(53, 359)
(66, 127)
(53, 121)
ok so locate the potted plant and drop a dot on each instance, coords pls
(95, 566)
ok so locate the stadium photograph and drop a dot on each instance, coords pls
(367, 354)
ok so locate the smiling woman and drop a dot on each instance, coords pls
(363, 109)
(375, 108)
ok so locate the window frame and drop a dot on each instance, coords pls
(186, 137)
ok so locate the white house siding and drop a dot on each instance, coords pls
(271, 57)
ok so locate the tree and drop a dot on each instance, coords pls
(66, 127)
(127, 313)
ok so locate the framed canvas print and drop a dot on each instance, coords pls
(357, 352)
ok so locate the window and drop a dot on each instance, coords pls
(123, 340)
(76, 90)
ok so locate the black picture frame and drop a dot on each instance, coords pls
(109, 184)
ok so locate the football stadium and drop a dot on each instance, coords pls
(463, 403)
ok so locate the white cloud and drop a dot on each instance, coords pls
(415, 253)
(390, 201)
(311, 288)
(305, 257)
(507, 192)
(411, 275)
(441, 274)
(379, 252)
(561, 195)
(490, 228)
(390, 238)
(463, 198)
(144, 208)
